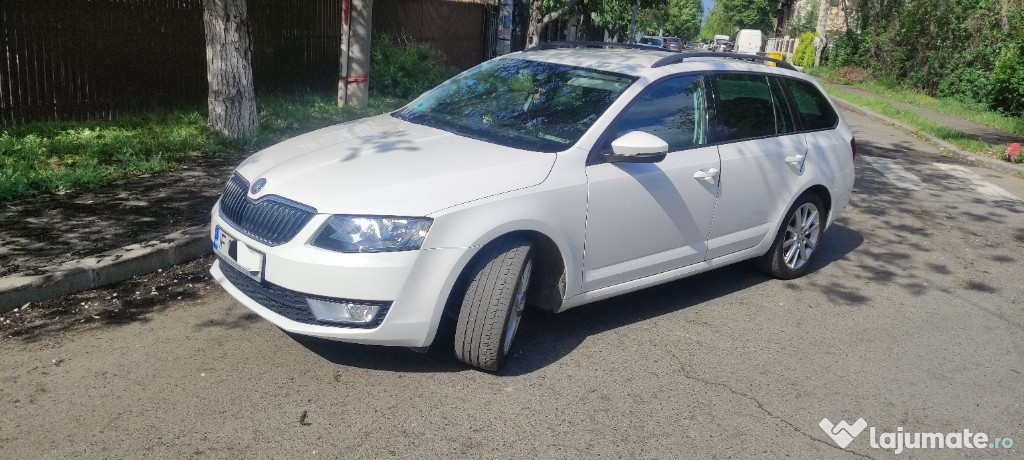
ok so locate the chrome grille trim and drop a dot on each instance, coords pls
(271, 219)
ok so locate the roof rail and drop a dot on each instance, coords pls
(591, 44)
(679, 57)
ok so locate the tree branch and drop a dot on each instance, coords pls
(558, 13)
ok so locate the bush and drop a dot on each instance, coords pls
(804, 54)
(403, 68)
(845, 51)
(968, 84)
(1007, 81)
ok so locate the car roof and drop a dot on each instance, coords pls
(640, 62)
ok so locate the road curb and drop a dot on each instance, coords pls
(945, 147)
(102, 269)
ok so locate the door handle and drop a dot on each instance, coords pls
(706, 174)
(795, 159)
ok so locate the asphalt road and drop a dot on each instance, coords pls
(912, 318)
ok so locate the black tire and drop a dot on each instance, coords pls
(781, 263)
(492, 301)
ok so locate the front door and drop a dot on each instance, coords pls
(648, 218)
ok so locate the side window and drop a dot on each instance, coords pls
(744, 107)
(672, 109)
(812, 107)
(783, 114)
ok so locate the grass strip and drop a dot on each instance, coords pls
(946, 133)
(57, 157)
(972, 111)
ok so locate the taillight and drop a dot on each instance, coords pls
(853, 147)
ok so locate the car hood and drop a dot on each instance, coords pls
(385, 166)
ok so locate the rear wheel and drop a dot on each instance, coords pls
(493, 304)
(797, 241)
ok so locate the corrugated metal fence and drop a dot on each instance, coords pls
(87, 59)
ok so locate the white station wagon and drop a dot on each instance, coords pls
(551, 177)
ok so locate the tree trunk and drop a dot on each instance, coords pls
(232, 100)
(354, 84)
(1004, 18)
(822, 18)
(538, 20)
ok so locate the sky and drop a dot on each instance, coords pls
(707, 7)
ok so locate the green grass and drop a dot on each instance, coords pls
(971, 111)
(62, 156)
(946, 133)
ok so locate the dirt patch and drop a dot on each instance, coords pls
(853, 74)
(126, 302)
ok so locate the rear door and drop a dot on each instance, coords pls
(762, 157)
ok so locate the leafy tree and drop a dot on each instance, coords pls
(682, 18)
(804, 20)
(542, 13)
(728, 16)
(967, 49)
(617, 14)
(718, 22)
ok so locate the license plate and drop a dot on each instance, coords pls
(237, 253)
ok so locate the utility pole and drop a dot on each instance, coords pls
(354, 75)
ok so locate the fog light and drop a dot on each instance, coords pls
(344, 311)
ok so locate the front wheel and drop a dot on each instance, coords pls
(493, 304)
(797, 240)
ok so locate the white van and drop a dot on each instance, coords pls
(748, 41)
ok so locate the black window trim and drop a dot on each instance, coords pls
(796, 122)
(711, 113)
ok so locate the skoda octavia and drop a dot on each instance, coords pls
(551, 177)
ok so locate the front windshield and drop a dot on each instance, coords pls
(518, 103)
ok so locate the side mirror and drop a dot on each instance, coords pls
(637, 147)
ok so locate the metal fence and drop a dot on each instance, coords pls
(88, 59)
(68, 59)
(456, 29)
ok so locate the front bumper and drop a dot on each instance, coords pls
(414, 285)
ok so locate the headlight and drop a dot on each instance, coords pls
(372, 234)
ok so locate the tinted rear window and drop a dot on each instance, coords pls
(744, 107)
(812, 107)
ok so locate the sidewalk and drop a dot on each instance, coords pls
(985, 133)
(55, 245)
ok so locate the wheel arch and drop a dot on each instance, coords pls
(547, 281)
(826, 198)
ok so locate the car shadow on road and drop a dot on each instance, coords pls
(545, 339)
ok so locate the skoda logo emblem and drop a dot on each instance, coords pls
(258, 185)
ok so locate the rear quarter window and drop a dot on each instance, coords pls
(812, 107)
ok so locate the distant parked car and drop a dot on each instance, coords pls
(673, 44)
(653, 41)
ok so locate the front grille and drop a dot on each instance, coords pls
(271, 220)
(288, 303)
